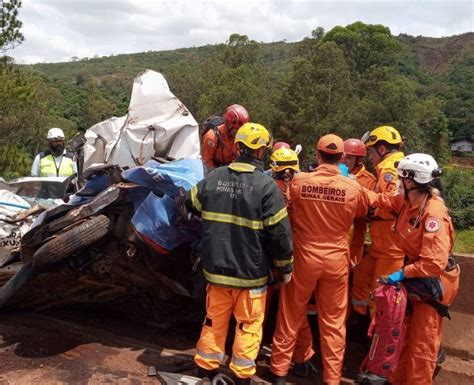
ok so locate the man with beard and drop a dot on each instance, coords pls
(55, 161)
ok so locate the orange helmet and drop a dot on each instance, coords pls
(279, 145)
(235, 116)
(355, 147)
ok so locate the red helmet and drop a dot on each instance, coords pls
(354, 147)
(235, 116)
(279, 145)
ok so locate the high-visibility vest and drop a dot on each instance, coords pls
(48, 165)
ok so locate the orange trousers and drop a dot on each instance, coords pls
(365, 278)
(248, 307)
(304, 340)
(327, 280)
(420, 349)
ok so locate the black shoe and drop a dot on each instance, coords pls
(205, 373)
(278, 380)
(371, 379)
(305, 369)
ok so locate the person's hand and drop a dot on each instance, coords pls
(285, 278)
(396, 277)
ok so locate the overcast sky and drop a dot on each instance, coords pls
(56, 30)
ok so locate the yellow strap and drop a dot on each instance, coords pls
(274, 219)
(194, 199)
(232, 281)
(282, 263)
(242, 167)
(232, 219)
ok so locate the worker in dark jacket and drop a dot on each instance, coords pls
(246, 232)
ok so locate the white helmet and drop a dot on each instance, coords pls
(422, 168)
(55, 134)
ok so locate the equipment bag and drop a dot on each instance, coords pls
(436, 292)
(211, 123)
(387, 330)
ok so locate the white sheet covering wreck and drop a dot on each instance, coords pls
(157, 124)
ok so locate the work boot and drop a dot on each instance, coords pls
(371, 379)
(278, 380)
(304, 369)
(206, 376)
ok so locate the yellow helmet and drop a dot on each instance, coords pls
(253, 135)
(283, 159)
(383, 133)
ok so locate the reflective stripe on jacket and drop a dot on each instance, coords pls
(48, 165)
(245, 225)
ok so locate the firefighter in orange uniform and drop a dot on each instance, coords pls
(285, 164)
(323, 205)
(218, 147)
(354, 156)
(385, 255)
(246, 232)
(426, 237)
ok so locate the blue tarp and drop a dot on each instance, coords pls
(167, 178)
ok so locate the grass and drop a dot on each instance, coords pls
(464, 242)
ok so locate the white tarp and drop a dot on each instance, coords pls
(11, 233)
(157, 124)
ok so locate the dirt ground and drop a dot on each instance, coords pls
(83, 345)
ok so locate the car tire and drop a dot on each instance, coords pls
(82, 235)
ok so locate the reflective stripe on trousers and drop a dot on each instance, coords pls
(248, 307)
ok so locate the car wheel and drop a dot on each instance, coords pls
(82, 235)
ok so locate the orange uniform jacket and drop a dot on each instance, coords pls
(384, 241)
(325, 202)
(426, 233)
(367, 180)
(218, 149)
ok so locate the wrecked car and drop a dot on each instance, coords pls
(124, 236)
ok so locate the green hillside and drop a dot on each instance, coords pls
(347, 80)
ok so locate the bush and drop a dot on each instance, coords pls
(459, 189)
(15, 161)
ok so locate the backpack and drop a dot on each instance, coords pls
(387, 330)
(212, 123)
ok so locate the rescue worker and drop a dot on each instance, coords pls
(426, 237)
(323, 205)
(56, 161)
(218, 147)
(246, 232)
(285, 165)
(355, 153)
(385, 255)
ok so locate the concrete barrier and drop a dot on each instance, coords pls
(458, 334)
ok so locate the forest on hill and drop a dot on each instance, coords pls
(347, 80)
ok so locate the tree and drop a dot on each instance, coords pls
(317, 97)
(97, 107)
(239, 50)
(10, 34)
(365, 45)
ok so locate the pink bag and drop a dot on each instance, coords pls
(387, 330)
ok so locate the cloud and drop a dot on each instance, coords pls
(56, 30)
